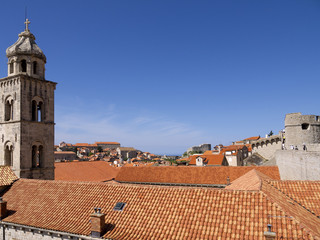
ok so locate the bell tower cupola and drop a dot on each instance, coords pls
(25, 57)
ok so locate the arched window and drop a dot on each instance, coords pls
(34, 156)
(11, 67)
(8, 109)
(8, 154)
(37, 111)
(34, 110)
(37, 156)
(40, 156)
(23, 65)
(35, 67)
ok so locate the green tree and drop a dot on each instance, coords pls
(270, 133)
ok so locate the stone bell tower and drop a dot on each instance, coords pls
(27, 111)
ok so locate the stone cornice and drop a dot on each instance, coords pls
(26, 77)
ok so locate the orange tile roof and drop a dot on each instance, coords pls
(307, 193)
(233, 147)
(191, 175)
(93, 171)
(64, 152)
(107, 143)
(6, 176)
(252, 180)
(152, 212)
(249, 146)
(85, 145)
(81, 144)
(208, 159)
(252, 138)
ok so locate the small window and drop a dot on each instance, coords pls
(304, 126)
(119, 206)
(35, 68)
(11, 67)
(23, 66)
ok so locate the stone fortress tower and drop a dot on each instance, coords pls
(302, 130)
(27, 111)
(300, 158)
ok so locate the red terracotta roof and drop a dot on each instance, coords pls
(85, 145)
(64, 152)
(81, 144)
(6, 176)
(232, 147)
(107, 143)
(152, 212)
(208, 159)
(191, 175)
(252, 180)
(252, 138)
(94, 171)
(307, 193)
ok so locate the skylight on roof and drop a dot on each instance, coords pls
(119, 206)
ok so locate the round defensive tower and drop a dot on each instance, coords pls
(302, 129)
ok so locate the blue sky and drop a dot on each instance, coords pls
(165, 75)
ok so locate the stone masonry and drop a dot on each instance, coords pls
(27, 112)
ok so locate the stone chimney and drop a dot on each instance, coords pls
(98, 224)
(269, 235)
(3, 208)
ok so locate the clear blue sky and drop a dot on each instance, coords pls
(162, 76)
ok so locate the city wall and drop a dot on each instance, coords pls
(298, 164)
(267, 147)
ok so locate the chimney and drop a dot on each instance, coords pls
(98, 224)
(269, 235)
(3, 208)
(219, 148)
(228, 180)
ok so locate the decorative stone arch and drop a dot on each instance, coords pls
(267, 142)
(253, 146)
(272, 141)
(37, 109)
(263, 144)
(8, 153)
(37, 154)
(8, 108)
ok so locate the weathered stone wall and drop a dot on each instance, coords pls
(21, 131)
(201, 148)
(17, 233)
(302, 129)
(267, 150)
(298, 165)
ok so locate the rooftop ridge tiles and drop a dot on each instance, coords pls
(305, 218)
(154, 201)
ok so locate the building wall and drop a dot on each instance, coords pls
(267, 150)
(232, 160)
(298, 165)
(11, 233)
(302, 129)
(21, 131)
(201, 148)
(111, 146)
